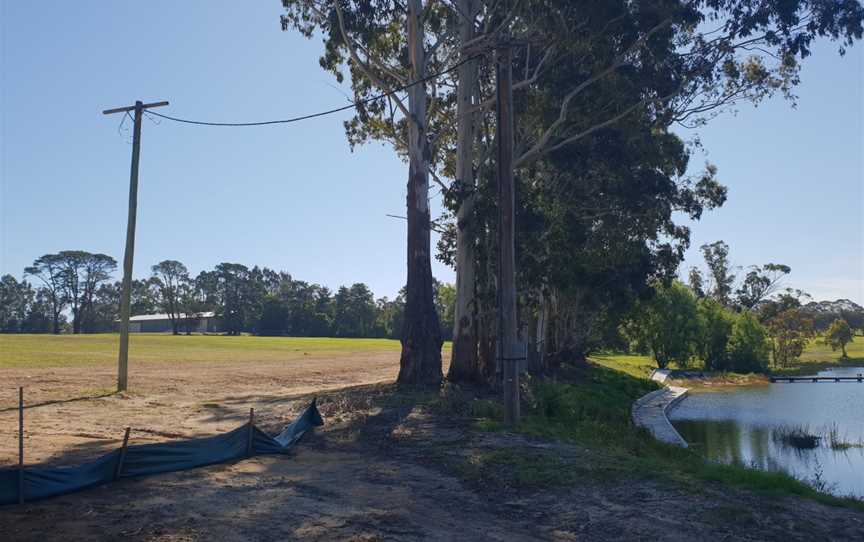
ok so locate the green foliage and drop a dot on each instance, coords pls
(839, 334)
(698, 329)
(789, 299)
(16, 299)
(696, 282)
(295, 307)
(49, 270)
(790, 331)
(390, 317)
(354, 314)
(72, 278)
(759, 283)
(585, 410)
(445, 306)
(171, 281)
(748, 350)
(257, 300)
(667, 324)
(717, 258)
(715, 329)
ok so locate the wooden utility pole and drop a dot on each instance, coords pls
(509, 352)
(123, 360)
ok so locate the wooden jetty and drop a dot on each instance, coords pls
(793, 379)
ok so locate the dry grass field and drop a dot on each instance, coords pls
(179, 386)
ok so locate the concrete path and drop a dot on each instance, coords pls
(650, 411)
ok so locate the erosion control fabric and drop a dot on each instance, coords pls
(140, 460)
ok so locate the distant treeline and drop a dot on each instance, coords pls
(75, 292)
(723, 322)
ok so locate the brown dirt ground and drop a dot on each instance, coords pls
(380, 470)
(72, 413)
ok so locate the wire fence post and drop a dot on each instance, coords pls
(122, 454)
(21, 445)
(251, 432)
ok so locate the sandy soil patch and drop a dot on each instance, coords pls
(72, 413)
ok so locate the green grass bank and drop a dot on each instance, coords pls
(590, 406)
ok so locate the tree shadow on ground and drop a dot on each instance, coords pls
(89, 397)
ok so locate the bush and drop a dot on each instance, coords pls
(715, 329)
(748, 350)
(667, 325)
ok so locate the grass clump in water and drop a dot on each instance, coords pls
(798, 437)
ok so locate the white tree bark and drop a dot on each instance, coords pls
(464, 364)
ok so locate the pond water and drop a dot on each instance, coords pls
(752, 426)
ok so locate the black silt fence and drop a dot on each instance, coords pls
(144, 459)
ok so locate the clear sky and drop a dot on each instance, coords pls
(295, 197)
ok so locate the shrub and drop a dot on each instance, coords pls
(715, 329)
(667, 324)
(748, 350)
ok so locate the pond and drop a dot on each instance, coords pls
(813, 431)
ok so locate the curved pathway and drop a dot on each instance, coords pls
(650, 411)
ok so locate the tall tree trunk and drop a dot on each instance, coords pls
(538, 344)
(485, 297)
(465, 364)
(420, 363)
(508, 327)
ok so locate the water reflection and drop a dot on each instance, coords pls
(750, 426)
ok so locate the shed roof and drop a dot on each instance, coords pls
(151, 317)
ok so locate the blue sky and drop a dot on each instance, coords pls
(295, 197)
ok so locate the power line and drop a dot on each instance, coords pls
(322, 113)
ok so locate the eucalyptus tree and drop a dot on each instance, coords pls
(696, 282)
(582, 68)
(172, 280)
(722, 279)
(760, 283)
(597, 226)
(48, 269)
(586, 67)
(71, 278)
(839, 334)
(83, 272)
(388, 44)
(790, 331)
